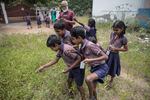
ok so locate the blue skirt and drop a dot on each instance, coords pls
(101, 71)
(113, 63)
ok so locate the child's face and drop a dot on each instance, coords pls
(55, 48)
(59, 32)
(76, 41)
(117, 30)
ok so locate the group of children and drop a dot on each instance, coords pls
(47, 19)
(80, 46)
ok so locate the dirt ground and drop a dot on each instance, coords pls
(22, 28)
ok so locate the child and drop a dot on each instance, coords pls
(72, 60)
(28, 20)
(47, 20)
(65, 36)
(90, 29)
(38, 19)
(53, 15)
(117, 41)
(94, 57)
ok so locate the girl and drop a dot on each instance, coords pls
(90, 28)
(118, 42)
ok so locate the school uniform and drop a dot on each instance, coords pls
(66, 38)
(91, 50)
(38, 19)
(68, 15)
(90, 31)
(114, 59)
(28, 20)
(47, 20)
(70, 55)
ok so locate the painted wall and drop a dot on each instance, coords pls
(116, 9)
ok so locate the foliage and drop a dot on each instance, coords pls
(80, 7)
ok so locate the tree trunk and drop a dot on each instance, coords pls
(4, 12)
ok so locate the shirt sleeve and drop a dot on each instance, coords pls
(124, 41)
(71, 54)
(60, 14)
(95, 49)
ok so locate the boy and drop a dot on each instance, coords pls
(38, 19)
(47, 21)
(28, 20)
(72, 60)
(94, 57)
(65, 36)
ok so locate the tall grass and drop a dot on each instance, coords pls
(21, 55)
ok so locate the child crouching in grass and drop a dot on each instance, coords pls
(72, 60)
(94, 57)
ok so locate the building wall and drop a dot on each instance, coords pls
(119, 9)
(143, 14)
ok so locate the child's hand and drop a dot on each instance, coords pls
(66, 71)
(86, 61)
(39, 69)
(112, 48)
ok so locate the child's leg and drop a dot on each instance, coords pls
(111, 81)
(90, 83)
(82, 93)
(94, 90)
(70, 80)
(49, 25)
(78, 75)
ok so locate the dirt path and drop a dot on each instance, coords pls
(126, 87)
(22, 28)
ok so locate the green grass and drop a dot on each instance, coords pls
(21, 55)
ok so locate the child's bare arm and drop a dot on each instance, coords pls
(78, 22)
(40, 69)
(68, 21)
(102, 57)
(124, 48)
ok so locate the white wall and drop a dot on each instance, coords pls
(101, 7)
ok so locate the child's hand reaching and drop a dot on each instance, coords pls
(40, 69)
(86, 61)
(66, 70)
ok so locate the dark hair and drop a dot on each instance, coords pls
(120, 24)
(59, 25)
(91, 22)
(38, 14)
(53, 40)
(78, 31)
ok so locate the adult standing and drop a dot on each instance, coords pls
(66, 15)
